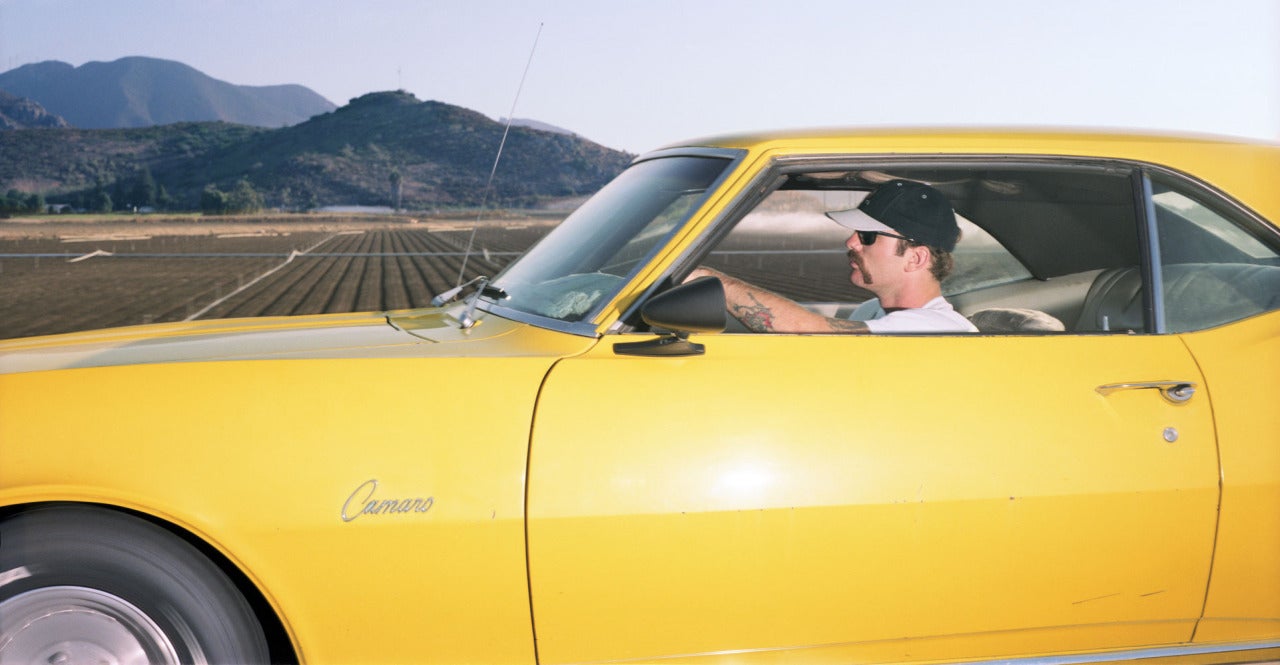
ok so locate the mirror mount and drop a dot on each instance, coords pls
(674, 344)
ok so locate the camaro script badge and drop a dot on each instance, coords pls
(364, 501)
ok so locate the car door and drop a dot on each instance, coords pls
(869, 497)
(1242, 365)
(1221, 293)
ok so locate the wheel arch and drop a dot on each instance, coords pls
(281, 644)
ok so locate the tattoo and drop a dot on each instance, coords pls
(845, 325)
(757, 317)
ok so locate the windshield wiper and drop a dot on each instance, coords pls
(449, 295)
(490, 291)
(486, 290)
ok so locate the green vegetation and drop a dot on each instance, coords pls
(386, 149)
(17, 202)
(241, 200)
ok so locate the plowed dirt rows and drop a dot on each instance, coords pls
(48, 285)
(67, 283)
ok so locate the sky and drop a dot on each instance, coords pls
(638, 74)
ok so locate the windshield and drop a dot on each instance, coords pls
(580, 265)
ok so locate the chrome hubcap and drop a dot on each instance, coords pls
(69, 625)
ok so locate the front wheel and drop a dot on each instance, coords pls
(87, 585)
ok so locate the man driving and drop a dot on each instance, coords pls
(900, 250)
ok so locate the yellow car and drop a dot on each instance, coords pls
(578, 463)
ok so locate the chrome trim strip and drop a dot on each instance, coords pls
(580, 328)
(1155, 263)
(1138, 654)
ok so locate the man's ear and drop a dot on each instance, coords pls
(918, 258)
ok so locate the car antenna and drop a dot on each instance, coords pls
(484, 197)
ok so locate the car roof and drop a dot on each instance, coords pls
(942, 136)
(1246, 168)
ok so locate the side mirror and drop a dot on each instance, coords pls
(693, 307)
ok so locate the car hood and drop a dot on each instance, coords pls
(417, 333)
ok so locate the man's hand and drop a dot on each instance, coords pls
(764, 311)
(704, 272)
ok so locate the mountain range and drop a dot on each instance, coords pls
(141, 92)
(382, 148)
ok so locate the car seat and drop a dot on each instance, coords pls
(1196, 296)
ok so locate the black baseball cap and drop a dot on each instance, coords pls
(907, 208)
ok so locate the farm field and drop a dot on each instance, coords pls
(66, 277)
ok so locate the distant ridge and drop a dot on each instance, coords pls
(443, 153)
(22, 113)
(537, 124)
(380, 149)
(142, 92)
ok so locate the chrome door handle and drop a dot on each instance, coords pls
(1177, 392)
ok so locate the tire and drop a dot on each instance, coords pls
(82, 584)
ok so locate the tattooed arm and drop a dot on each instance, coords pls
(764, 311)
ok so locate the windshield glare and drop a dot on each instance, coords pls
(581, 264)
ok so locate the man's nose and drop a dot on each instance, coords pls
(853, 242)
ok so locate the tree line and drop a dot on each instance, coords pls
(144, 195)
(141, 194)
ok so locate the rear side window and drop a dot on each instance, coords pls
(1216, 265)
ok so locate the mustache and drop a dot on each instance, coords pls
(856, 259)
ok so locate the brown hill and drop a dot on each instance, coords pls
(441, 154)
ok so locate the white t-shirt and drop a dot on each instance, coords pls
(937, 315)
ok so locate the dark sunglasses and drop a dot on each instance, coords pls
(868, 238)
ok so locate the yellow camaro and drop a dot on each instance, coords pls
(579, 463)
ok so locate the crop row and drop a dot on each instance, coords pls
(45, 289)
